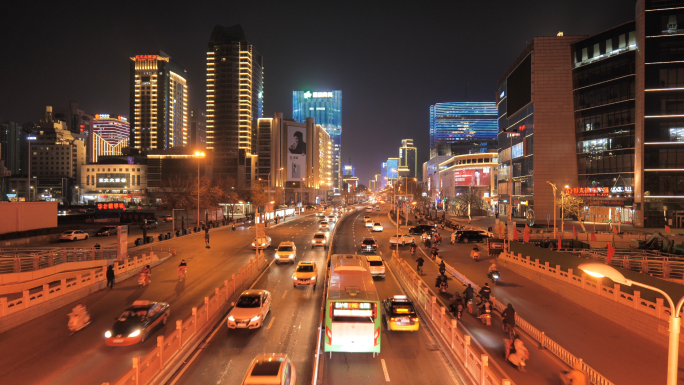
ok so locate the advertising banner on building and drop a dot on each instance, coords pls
(472, 177)
(392, 167)
(296, 153)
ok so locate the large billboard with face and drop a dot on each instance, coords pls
(296, 153)
(472, 177)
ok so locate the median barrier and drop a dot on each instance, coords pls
(150, 239)
(163, 360)
(169, 235)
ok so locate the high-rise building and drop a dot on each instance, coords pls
(536, 127)
(604, 100)
(326, 108)
(383, 175)
(408, 162)
(77, 121)
(158, 102)
(462, 128)
(234, 96)
(392, 170)
(198, 128)
(14, 148)
(110, 135)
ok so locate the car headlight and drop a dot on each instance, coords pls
(135, 333)
(313, 279)
(313, 241)
(108, 334)
(294, 277)
(292, 255)
(252, 243)
(256, 318)
(231, 318)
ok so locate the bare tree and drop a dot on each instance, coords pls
(460, 203)
(175, 193)
(572, 206)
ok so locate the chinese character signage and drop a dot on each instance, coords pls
(112, 180)
(593, 192)
(145, 57)
(111, 206)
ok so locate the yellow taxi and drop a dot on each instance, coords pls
(305, 274)
(400, 314)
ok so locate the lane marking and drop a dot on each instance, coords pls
(284, 294)
(384, 369)
(270, 323)
(189, 363)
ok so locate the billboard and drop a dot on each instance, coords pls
(110, 180)
(392, 166)
(296, 153)
(472, 177)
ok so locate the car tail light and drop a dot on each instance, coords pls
(414, 319)
(392, 319)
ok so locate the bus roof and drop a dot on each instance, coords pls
(350, 278)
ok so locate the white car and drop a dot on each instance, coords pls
(332, 218)
(250, 310)
(319, 239)
(376, 266)
(73, 235)
(377, 226)
(261, 242)
(324, 226)
(287, 252)
(369, 209)
(403, 239)
(273, 368)
(369, 224)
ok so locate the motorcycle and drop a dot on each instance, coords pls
(442, 287)
(485, 313)
(434, 252)
(78, 319)
(475, 254)
(143, 279)
(494, 276)
(413, 250)
(516, 353)
(182, 271)
(233, 227)
(470, 306)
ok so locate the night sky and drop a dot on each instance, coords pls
(391, 60)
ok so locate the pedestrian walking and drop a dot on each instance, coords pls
(110, 277)
(206, 239)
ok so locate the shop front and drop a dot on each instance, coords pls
(605, 205)
(134, 197)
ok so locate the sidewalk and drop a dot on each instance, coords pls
(617, 353)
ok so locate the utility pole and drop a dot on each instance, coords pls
(554, 208)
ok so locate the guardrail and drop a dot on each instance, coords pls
(146, 368)
(419, 289)
(331, 245)
(656, 309)
(32, 298)
(23, 260)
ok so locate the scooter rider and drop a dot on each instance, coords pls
(576, 376)
(442, 268)
(78, 318)
(413, 248)
(456, 305)
(508, 316)
(469, 293)
(182, 268)
(475, 253)
(485, 292)
(146, 272)
(420, 262)
(492, 268)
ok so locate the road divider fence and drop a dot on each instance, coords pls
(26, 260)
(170, 350)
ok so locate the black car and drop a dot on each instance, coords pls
(151, 224)
(466, 236)
(106, 231)
(420, 229)
(137, 322)
(368, 245)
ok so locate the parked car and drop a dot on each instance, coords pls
(466, 236)
(73, 235)
(106, 231)
(137, 322)
(151, 224)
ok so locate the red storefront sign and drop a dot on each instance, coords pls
(111, 206)
(145, 57)
(592, 192)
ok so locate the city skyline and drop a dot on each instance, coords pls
(364, 81)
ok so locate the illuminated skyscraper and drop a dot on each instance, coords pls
(234, 96)
(408, 165)
(109, 136)
(158, 102)
(326, 108)
(463, 127)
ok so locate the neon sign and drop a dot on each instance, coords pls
(111, 206)
(588, 191)
(307, 95)
(145, 57)
(101, 116)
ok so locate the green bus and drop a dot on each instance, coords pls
(353, 314)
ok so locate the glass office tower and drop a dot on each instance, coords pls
(462, 127)
(326, 108)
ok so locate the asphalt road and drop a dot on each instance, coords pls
(405, 357)
(614, 351)
(289, 328)
(42, 351)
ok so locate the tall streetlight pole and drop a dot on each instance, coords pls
(599, 270)
(562, 209)
(198, 155)
(554, 207)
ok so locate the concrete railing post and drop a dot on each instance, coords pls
(179, 328)
(225, 285)
(194, 316)
(454, 327)
(433, 304)
(660, 308)
(3, 306)
(206, 305)
(79, 281)
(599, 285)
(637, 299)
(160, 345)
(426, 293)
(46, 291)
(17, 265)
(483, 368)
(135, 261)
(234, 288)
(442, 315)
(465, 350)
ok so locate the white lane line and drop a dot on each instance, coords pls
(189, 363)
(384, 369)
(270, 323)
(284, 295)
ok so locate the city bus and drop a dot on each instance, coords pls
(352, 314)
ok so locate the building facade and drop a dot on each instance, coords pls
(14, 148)
(109, 136)
(408, 159)
(158, 102)
(198, 129)
(113, 181)
(383, 175)
(536, 127)
(603, 78)
(234, 96)
(77, 121)
(470, 174)
(326, 108)
(462, 128)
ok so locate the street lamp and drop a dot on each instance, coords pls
(554, 207)
(600, 270)
(563, 209)
(198, 155)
